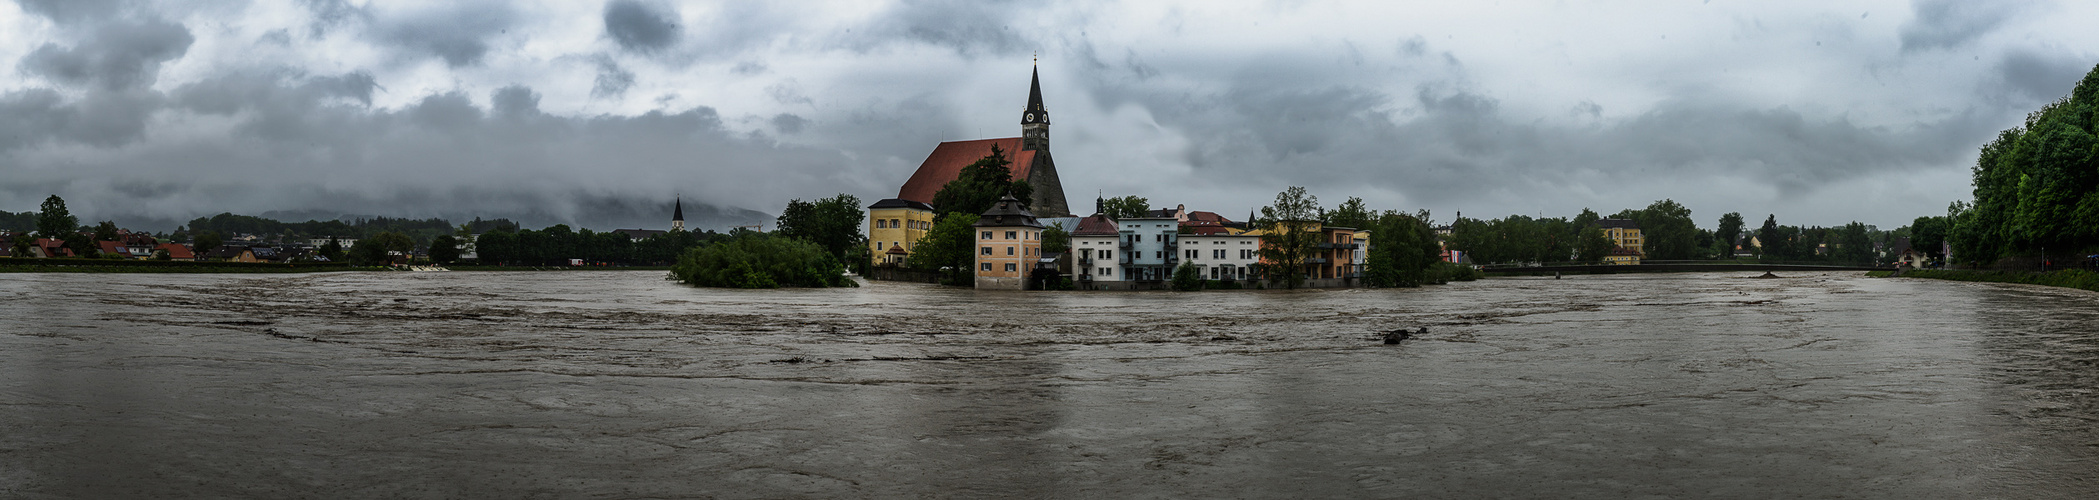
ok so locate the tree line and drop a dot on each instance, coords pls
(2036, 189)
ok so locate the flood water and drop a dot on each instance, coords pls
(621, 384)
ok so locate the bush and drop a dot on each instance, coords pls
(757, 260)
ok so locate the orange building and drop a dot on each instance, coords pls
(1009, 243)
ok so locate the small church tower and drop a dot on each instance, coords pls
(1034, 120)
(678, 214)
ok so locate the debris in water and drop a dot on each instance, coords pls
(1393, 337)
(1767, 275)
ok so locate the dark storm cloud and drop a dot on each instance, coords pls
(309, 142)
(1946, 24)
(641, 27)
(457, 33)
(1442, 147)
(788, 123)
(117, 56)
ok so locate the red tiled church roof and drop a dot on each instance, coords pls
(947, 160)
(1096, 225)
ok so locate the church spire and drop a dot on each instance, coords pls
(678, 214)
(1034, 119)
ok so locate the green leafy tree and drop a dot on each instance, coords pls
(1729, 232)
(1187, 277)
(981, 184)
(758, 260)
(206, 242)
(1928, 234)
(1351, 214)
(444, 249)
(1125, 207)
(950, 246)
(22, 246)
(1592, 245)
(832, 223)
(53, 220)
(1668, 230)
(106, 231)
(1403, 251)
(1290, 235)
(1852, 244)
(1055, 239)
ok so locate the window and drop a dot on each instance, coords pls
(1107, 254)
(878, 245)
(1009, 267)
(881, 224)
(1158, 254)
(1010, 235)
(1107, 271)
(1009, 250)
(1217, 254)
(987, 266)
(987, 235)
(986, 250)
(1158, 237)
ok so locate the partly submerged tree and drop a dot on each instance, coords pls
(832, 223)
(1290, 235)
(950, 247)
(758, 260)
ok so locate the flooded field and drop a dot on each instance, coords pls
(621, 384)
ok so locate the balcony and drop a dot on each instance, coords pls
(1340, 246)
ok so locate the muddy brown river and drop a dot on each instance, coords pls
(623, 385)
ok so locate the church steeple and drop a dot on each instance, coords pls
(1034, 119)
(678, 214)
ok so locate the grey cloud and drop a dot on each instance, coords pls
(457, 33)
(117, 56)
(788, 92)
(787, 123)
(1946, 24)
(748, 68)
(2038, 76)
(304, 143)
(328, 14)
(968, 27)
(514, 101)
(641, 27)
(612, 80)
(71, 11)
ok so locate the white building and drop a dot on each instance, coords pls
(1096, 250)
(1222, 255)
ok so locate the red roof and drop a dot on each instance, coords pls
(1096, 225)
(177, 252)
(947, 160)
(1205, 219)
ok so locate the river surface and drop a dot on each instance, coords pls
(621, 384)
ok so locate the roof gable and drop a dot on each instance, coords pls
(946, 161)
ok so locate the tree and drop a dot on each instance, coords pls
(980, 185)
(106, 231)
(1928, 233)
(1728, 234)
(1592, 245)
(22, 246)
(1351, 214)
(1668, 230)
(1403, 251)
(53, 220)
(333, 250)
(832, 223)
(1125, 207)
(1773, 239)
(950, 247)
(206, 242)
(444, 249)
(379, 248)
(758, 260)
(1055, 239)
(1187, 277)
(1290, 235)
(1852, 244)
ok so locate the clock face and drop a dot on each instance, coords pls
(1027, 117)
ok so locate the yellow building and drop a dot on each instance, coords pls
(1622, 256)
(894, 226)
(1009, 244)
(1625, 233)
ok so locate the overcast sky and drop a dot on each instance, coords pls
(1819, 112)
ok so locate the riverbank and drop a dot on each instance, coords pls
(2069, 278)
(63, 265)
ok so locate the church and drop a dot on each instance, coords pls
(895, 224)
